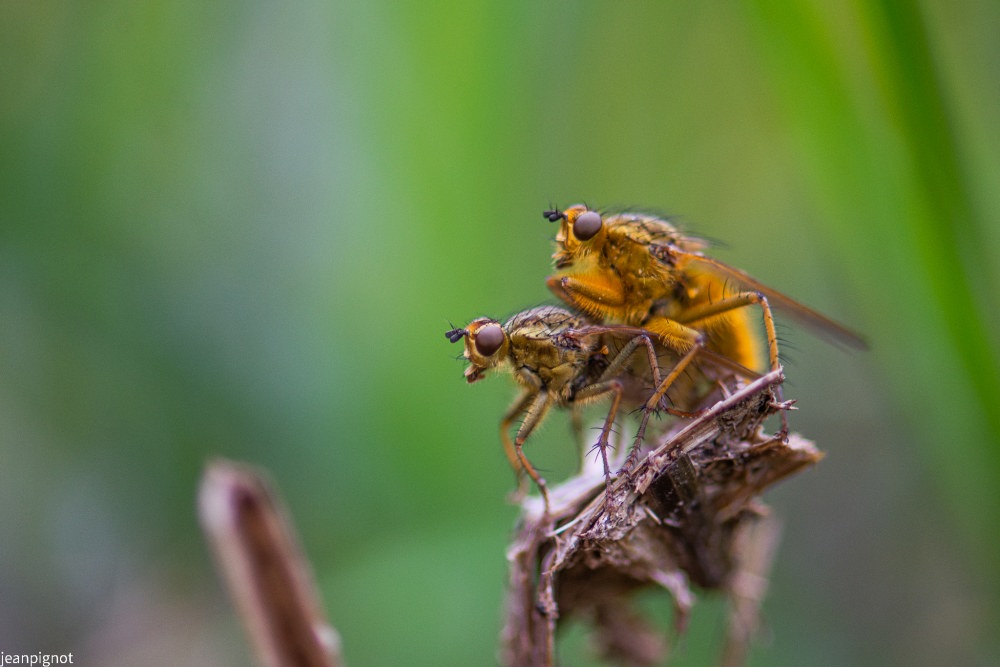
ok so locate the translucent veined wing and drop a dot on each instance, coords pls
(819, 323)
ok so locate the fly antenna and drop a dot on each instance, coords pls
(456, 335)
(553, 215)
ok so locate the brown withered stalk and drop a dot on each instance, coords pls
(687, 516)
(268, 577)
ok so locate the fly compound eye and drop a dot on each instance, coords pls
(489, 339)
(587, 225)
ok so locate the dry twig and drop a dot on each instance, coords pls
(688, 513)
(268, 577)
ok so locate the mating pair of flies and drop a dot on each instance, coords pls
(652, 324)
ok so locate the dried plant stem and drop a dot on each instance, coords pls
(268, 577)
(686, 514)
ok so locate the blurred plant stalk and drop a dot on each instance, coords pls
(268, 577)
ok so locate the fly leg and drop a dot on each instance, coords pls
(576, 425)
(741, 300)
(609, 383)
(515, 410)
(681, 339)
(600, 298)
(593, 392)
(538, 401)
(677, 337)
(654, 401)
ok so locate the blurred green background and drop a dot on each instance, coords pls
(241, 228)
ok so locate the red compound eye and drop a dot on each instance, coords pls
(489, 339)
(587, 225)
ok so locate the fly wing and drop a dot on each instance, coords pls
(819, 323)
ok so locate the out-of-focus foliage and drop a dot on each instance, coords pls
(241, 229)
